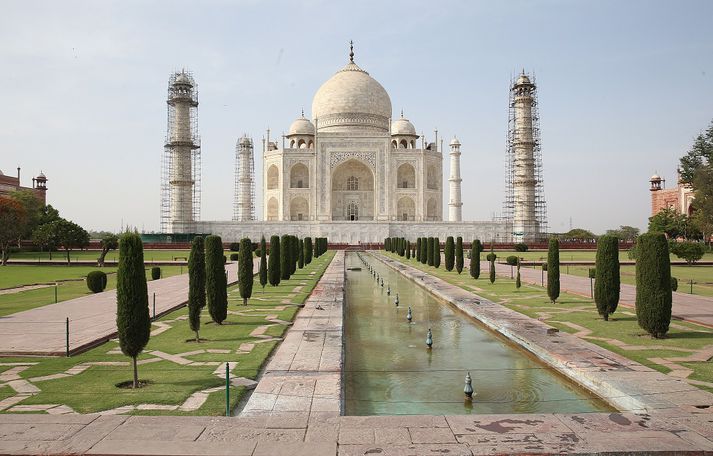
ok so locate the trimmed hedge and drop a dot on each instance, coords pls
(96, 281)
(674, 284)
(245, 270)
(511, 260)
(234, 256)
(459, 254)
(521, 247)
(196, 284)
(450, 253)
(273, 269)
(475, 249)
(215, 282)
(436, 252)
(155, 273)
(234, 246)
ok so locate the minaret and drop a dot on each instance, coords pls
(180, 165)
(244, 209)
(455, 205)
(524, 181)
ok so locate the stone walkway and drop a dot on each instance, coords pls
(693, 308)
(92, 318)
(304, 375)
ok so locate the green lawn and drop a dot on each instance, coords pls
(570, 255)
(682, 339)
(92, 255)
(15, 275)
(170, 383)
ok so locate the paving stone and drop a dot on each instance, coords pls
(501, 424)
(356, 436)
(161, 448)
(392, 436)
(12, 400)
(296, 449)
(432, 435)
(405, 450)
(238, 434)
(38, 432)
(132, 430)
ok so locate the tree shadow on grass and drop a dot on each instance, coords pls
(689, 335)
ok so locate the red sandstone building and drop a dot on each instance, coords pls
(9, 184)
(679, 197)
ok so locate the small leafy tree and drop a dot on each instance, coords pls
(518, 282)
(196, 284)
(132, 301)
(475, 249)
(45, 238)
(215, 281)
(553, 269)
(273, 270)
(69, 235)
(607, 276)
(512, 261)
(653, 285)
(459, 254)
(308, 250)
(108, 242)
(245, 270)
(450, 253)
(13, 223)
(689, 251)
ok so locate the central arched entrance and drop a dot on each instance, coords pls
(352, 192)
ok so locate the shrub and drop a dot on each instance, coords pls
(133, 322)
(234, 257)
(436, 252)
(196, 284)
(653, 284)
(155, 273)
(429, 251)
(258, 252)
(491, 257)
(606, 273)
(245, 270)
(301, 254)
(689, 251)
(408, 250)
(215, 280)
(234, 246)
(96, 281)
(418, 249)
(273, 270)
(512, 260)
(450, 253)
(475, 249)
(553, 269)
(521, 247)
(424, 250)
(459, 254)
(674, 284)
(492, 269)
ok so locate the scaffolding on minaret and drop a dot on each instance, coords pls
(181, 157)
(244, 189)
(524, 206)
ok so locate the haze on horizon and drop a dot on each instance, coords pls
(624, 88)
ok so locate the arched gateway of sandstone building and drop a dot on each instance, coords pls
(354, 174)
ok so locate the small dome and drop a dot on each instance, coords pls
(523, 79)
(183, 78)
(455, 142)
(301, 126)
(351, 98)
(245, 141)
(403, 127)
(655, 178)
(41, 176)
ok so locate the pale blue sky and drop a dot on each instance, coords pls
(624, 87)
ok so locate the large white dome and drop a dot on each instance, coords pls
(351, 99)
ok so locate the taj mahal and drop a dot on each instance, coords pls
(351, 172)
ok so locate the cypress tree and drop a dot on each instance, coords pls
(475, 249)
(316, 247)
(429, 251)
(308, 250)
(132, 301)
(285, 252)
(553, 269)
(459, 254)
(196, 284)
(436, 253)
(273, 270)
(491, 264)
(606, 274)
(215, 282)
(408, 250)
(653, 284)
(518, 283)
(245, 270)
(450, 253)
(295, 254)
(418, 249)
(387, 244)
(423, 253)
(301, 256)
(263, 263)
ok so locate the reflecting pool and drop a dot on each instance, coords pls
(389, 369)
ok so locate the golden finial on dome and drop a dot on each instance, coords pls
(351, 51)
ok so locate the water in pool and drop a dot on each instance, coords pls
(389, 369)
